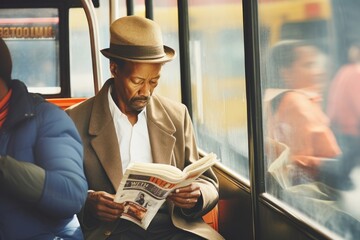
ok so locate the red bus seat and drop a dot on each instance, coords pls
(64, 103)
(211, 218)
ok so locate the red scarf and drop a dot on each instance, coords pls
(4, 107)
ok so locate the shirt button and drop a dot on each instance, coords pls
(107, 233)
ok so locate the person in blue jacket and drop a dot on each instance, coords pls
(42, 182)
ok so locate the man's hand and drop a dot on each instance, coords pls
(186, 197)
(102, 206)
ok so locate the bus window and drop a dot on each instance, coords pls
(306, 157)
(81, 74)
(165, 13)
(32, 36)
(277, 14)
(304, 30)
(218, 81)
(315, 30)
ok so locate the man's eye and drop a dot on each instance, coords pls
(137, 81)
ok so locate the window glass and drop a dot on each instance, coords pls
(81, 73)
(33, 39)
(310, 61)
(218, 81)
(165, 13)
(139, 8)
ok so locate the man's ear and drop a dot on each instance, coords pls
(113, 68)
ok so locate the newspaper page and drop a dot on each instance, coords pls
(142, 196)
(145, 187)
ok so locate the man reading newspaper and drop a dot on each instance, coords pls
(126, 122)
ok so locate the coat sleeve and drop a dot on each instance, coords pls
(24, 180)
(208, 181)
(59, 152)
(55, 183)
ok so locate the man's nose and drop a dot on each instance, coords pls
(145, 90)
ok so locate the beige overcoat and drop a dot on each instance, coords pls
(172, 142)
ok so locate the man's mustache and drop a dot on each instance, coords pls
(144, 98)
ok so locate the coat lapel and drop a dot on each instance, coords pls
(160, 127)
(161, 130)
(105, 142)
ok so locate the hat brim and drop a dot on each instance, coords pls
(169, 55)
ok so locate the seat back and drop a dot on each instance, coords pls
(64, 103)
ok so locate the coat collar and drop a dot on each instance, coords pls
(105, 144)
(161, 130)
(21, 105)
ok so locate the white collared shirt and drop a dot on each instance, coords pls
(134, 143)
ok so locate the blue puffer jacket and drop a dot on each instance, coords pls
(42, 182)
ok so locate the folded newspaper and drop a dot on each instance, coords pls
(145, 186)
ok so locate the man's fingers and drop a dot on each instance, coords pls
(193, 194)
(184, 202)
(189, 188)
(103, 206)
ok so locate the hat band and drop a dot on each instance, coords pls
(137, 52)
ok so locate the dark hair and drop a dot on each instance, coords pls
(119, 62)
(5, 62)
(282, 55)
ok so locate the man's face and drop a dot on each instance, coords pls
(134, 84)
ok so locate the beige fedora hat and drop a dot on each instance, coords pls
(137, 39)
